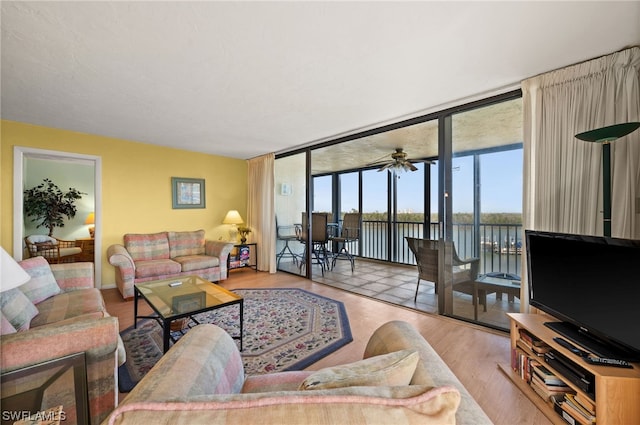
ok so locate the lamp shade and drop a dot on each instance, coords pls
(91, 218)
(609, 133)
(232, 217)
(11, 274)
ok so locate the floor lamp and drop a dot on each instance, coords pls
(606, 135)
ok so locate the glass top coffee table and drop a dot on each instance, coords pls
(180, 297)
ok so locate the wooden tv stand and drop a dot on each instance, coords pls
(617, 390)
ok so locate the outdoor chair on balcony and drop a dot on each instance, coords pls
(350, 232)
(286, 234)
(465, 271)
(54, 250)
(319, 240)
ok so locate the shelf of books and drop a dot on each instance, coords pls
(603, 394)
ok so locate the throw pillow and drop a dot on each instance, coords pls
(6, 327)
(392, 369)
(42, 284)
(17, 308)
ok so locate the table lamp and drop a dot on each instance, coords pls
(91, 219)
(606, 135)
(233, 218)
(11, 274)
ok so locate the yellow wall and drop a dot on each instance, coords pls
(136, 184)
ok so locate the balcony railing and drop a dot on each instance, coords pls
(499, 247)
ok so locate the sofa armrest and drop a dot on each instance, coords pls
(220, 249)
(97, 338)
(74, 276)
(431, 370)
(205, 361)
(120, 258)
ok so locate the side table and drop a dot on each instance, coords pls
(88, 249)
(243, 255)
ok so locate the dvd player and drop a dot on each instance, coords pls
(577, 375)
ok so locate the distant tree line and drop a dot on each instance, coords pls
(459, 218)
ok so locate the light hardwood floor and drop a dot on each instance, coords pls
(472, 352)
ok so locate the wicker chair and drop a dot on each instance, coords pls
(54, 250)
(350, 232)
(465, 272)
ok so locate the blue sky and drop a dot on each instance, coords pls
(501, 187)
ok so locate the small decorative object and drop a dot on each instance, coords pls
(91, 219)
(233, 217)
(244, 231)
(48, 205)
(187, 193)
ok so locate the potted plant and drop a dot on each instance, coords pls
(244, 231)
(48, 205)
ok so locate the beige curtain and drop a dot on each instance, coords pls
(562, 174)
(261, 209)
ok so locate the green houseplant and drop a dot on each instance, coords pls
(48, 205)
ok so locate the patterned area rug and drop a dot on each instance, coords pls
(284, 329)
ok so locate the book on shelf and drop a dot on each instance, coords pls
(546, 394)
(575, 413)
(552, 387)
(587, 404)
(527, 337)
(546, 375)
(531, 343)
(587, 412)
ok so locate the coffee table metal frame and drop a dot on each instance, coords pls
(192, 296)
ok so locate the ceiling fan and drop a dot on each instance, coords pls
(398, 162)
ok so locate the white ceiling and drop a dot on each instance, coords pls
(241, 79)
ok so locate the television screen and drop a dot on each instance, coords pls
(591, 282)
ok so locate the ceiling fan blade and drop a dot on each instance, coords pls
(384, 167)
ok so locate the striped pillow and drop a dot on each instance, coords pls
(5, 326)
(43, 284)
(186, 243)
(17, 308)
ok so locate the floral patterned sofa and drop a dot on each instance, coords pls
(201, 380)
(152, 256)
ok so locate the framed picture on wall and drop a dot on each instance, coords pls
(187, 193)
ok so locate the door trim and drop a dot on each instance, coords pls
(19, 154)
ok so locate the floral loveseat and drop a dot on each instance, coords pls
(153, 256)
(201, 380)
(57, 313)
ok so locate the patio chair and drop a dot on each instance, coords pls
(286, 234)
(319, 240)
(54, 250)
(350, 232)
(465, 271)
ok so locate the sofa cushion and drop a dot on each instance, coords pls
(42, 284)
(196, 262)
(17, 308)
(148, 246)
(156, 268)
(83, 302)
(393, 369)
(186, 243)
(5, 326)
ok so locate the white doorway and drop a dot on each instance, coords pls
(20, 155)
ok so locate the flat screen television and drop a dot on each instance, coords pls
(591, 284)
